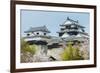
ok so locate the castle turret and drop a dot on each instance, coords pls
(71, 30)
(37, 34)
(39, 37)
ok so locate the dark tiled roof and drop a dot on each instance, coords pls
(42, 28)
(72, 22)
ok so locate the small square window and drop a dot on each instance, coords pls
(37, 33)
(44, 33)
(28, 34)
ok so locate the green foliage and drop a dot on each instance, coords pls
(71, 53)
(27, 51)
(25, 47)
(77, 55)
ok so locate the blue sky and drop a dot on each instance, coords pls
(52, 19)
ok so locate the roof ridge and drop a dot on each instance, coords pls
(40, 28)
(72, 20)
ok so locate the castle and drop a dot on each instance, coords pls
(70, 30)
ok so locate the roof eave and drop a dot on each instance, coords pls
(36, 31)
